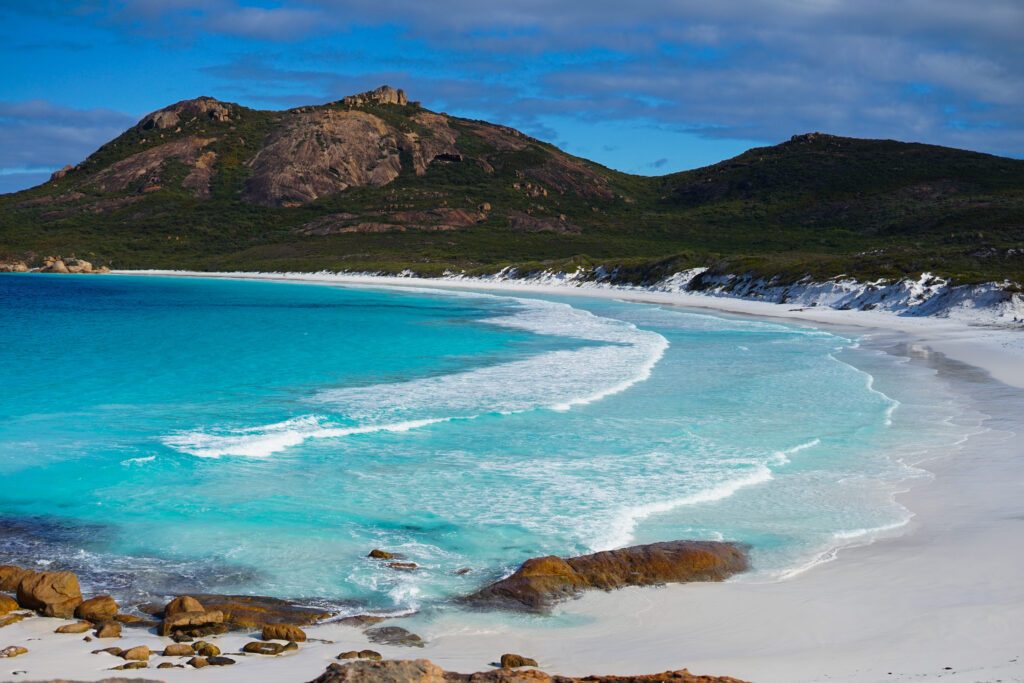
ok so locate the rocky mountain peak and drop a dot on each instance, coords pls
(199, 108)
(385, 94)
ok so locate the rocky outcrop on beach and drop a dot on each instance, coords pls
(425, 671)
(13, 267)
(52, 594)
(541, 581)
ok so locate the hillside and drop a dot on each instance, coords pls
(375, 182)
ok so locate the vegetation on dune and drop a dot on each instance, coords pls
(431, 193)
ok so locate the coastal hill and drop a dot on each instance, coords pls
(377, 182)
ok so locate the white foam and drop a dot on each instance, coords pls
(138, 461)
(782, 457)
(558, 380)
(620, 531)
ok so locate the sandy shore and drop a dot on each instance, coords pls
(944, 600)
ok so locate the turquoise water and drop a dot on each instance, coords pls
(167, 434)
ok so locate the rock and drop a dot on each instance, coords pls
(404, 566)
(75, 265)
(543, 580)
(360, 654)
(463, 571)
(116, 651)
(10, 577)
(61, 172)
(180, 637)
(168, 665)
(183, 603)
(11, 619)
(79, 627)
(108, 629)
(379, 554)
(13, 651)
(394, 635)
(204, 649)
(418, 671)
(56, 266)
(7, 605)
(54, 594)
(385, 94)
(100, 608)
(139, 653)
(178, 650)
(261, 648)
(425, 671)
(131, 665)
(486, 206)
(361, 620)
(290, 646)
(190, 622)
(220, 661)
(254, 611)
(283, 632)
(200, 109)
(198, 662)
(510, 661)
(13, 267)
(132, 620)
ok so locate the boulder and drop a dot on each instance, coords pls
(541, 581)
(7, 605)
(284, 632)
(11, 619)
(139, 653)
(394, 635)
(100, 608)
(204, 649)
(219, 661)
(11, 576)
(360, 654)
(198, 662)
(379, 554)
(361, 620)
(511, 661)
(108, 629)
(131, 665)
(116, 651)
(54, 594)
(13, 267)
(178, 650)
(183, 603)
(79, 627)
(404, 566)
(257, 647)
(75, 265)
(13, 651)
(254, 611)
(190, 622)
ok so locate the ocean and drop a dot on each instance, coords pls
(161, 435)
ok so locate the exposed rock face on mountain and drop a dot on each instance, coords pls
(425, 671)
(540, 581)
(385, 94)
(187, 111)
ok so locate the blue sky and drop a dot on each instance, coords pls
(643, 86)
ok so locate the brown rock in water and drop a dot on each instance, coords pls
(541, 581)
(394, 635)
(54, 594)
(79, 627)
(13, 651)
(257, 647)
(404, 566)
(10, 577)
(108, 629)
(379, 554)
(100, 608)
(7, 605)
(204, 649)
(190, 622)
(284, 632)
(511, 661)
(425, 671)
(178, 650)
(255, 611)
(139, 653)
(183, 603)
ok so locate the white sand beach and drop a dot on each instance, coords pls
(944, 600)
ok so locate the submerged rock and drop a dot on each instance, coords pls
(379, 554)
(361, 654)
(540, 581)
(394, 635)
(53, 594)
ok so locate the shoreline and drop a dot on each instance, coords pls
(893, 609)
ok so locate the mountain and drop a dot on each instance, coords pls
(376, 182)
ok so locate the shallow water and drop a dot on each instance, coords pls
(169, 434)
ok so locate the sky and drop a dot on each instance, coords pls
(645, 86)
